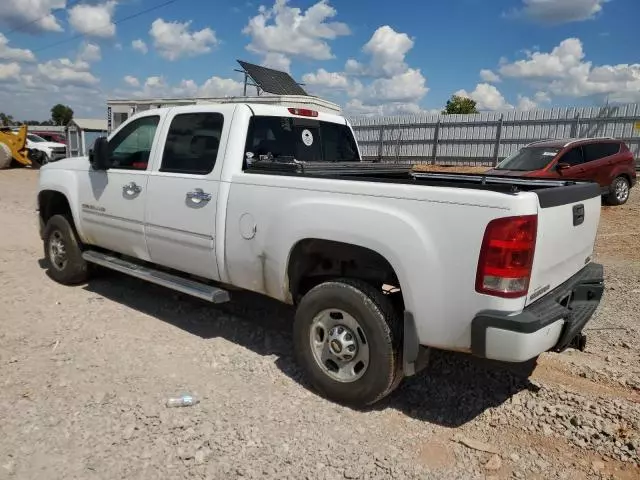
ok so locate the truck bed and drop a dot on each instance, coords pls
(546, 189)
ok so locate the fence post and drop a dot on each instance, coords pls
(381, 142)
(436, 136)
(496, 150)
(576, 126)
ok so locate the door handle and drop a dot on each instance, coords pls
(198, 196)
(131, 189)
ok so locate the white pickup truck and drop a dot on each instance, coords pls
(381, 263)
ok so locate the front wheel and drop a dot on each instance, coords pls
(63, 255)
(619, 191)
(347, 338)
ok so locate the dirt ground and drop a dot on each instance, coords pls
(85, 372)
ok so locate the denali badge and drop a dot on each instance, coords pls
(539, 292)
(86, 206)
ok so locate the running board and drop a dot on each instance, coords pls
(184, 285)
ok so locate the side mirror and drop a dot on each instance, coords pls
(562, 166)
(99, 155)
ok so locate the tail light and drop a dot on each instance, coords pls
(303, 112)
(506, 256)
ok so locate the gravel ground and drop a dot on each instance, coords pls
(85, 372)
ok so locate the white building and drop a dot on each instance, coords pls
(81, 133)
(120, 110)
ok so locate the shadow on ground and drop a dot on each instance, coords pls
(452, 391)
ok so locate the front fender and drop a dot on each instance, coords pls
(66, 183)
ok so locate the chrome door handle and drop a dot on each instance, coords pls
(131, 189)
(198, 196)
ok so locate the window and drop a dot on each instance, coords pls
(529, 159)
(302, 139)
(130, 147)
(192, 143)
(596, 151)
(572, 157)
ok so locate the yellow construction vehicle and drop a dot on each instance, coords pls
(13, 147)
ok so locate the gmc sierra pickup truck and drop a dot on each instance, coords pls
(382, 263)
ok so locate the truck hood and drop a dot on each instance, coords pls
(38, 145)
(75, 163)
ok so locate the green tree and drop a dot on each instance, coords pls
(458, 104)
(6, 120)
(61, 114)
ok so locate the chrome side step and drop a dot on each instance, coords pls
(184, 285)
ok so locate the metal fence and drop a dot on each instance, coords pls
(486, 138)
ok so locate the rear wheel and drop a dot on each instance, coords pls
(619, 193)
(347, 338)
(63, 255)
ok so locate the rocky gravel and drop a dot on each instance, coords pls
(85, 373)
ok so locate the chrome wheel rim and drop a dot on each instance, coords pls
(622, 190)
(339, 345)
(57, 251)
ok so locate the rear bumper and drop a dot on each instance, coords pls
(551, 323)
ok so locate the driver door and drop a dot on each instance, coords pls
(113, 201)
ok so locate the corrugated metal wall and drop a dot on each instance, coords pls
(486, 138)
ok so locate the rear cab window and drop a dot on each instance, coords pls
(300, 139)
(596, 151)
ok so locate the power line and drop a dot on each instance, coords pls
(20, 27)
(117, 22)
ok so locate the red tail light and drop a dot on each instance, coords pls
(506, 256)
(303, 112)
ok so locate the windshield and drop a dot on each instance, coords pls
(528, 159)
(302, 139)
(35, 138)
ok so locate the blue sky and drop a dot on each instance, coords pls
(373, 57)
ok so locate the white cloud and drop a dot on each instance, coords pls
(140, 46)
(564, 71)
(290, 32)
(277, 61)
(559, 11)
(31, 16)
(383, 85)
(487, 97)
(93, 20)
(90, 53)
(542, 97)
(525, 103)
(489, 76)
(174, 40)
(566, 56)
(325, 79)
(14, 54)
(65, 71)
(131, 81)
(388, 49)
(9, 71)
(403, 87)
(157, 86)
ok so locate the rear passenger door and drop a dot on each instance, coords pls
(599, 161)
(182, 192)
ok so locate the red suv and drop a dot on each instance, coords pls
(604, 160)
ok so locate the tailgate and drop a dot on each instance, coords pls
(568, 218)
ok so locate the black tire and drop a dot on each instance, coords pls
(382, 331)
(619, 193)
(72, 271)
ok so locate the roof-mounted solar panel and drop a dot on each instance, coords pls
(272, 81)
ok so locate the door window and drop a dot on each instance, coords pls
(573, 157)
(596, 151)
(192, 143)
(130, 148)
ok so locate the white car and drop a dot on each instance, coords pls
(381, 263)
(53, 150)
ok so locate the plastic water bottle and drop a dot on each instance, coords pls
(182, 401)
